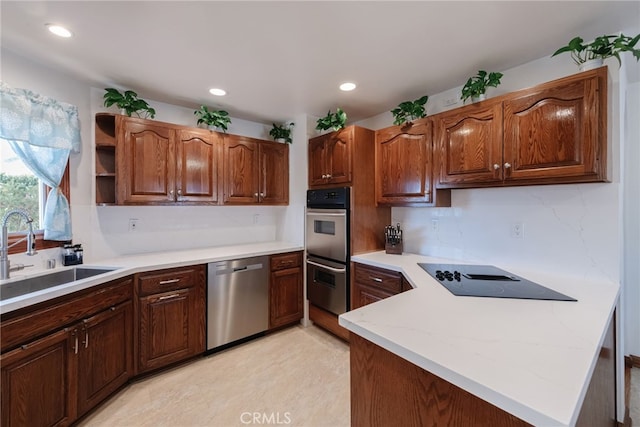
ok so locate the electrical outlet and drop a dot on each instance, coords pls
(434, 225)
(133, 224)
(517, 230)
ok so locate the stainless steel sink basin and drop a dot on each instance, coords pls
(46, 281)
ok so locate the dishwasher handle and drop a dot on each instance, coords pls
(230, 270)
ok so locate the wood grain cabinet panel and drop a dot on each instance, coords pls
(371, 284)
(286, 289)
(197, 166)
(255, 171)
(331, 158)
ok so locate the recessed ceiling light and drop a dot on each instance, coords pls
(59, 30)
(347, 86)
(217, 92)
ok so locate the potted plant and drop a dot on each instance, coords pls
(592, 55)
(477, 85)
(409, 110)
(213, 119)
(335, 121)
(281, 133)
(128, 102)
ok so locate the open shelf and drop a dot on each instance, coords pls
(105, 134)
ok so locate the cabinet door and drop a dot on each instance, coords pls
(38, 383)
(285, 297)
(553, 131)
(317, 163)
(338, 156)
(241, 173)
(363, 295)
(197, 166)
(274, 173)
(469, 148)
(403, 165)
(145, 163)
(168, 328)
(105, 356)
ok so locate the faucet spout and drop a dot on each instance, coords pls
(4, 249)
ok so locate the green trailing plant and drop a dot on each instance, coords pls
(281, 132)
(601, 47)
(213, 118)
(409, 110)
(129, 102)
(335, 121)
(478, 84)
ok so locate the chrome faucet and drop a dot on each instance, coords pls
(5, 267)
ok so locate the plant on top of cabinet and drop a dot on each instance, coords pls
(128, 102)
(477, 85)
(599, 49)
(409, 110)
(281, 133)
(213, 119)
(335, 121)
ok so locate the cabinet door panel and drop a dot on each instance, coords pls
(553, 132)
(105, 355)
(274, 173)
(147, 160)
(241, 174)
(285, 297)
(364, 295)
(316, 161)
(37, 383)
(403, 165)
(470, 145)
(197, 167)
(338, 156)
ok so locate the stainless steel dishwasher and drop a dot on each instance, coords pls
(237, 300)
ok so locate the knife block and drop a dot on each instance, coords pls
(391, 248)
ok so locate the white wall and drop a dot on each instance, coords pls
(103, 230)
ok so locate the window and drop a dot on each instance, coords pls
(20, 188)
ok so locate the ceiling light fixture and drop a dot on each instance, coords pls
(217, 92)
(348, 86)
(59, 30)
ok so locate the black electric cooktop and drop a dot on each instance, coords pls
(488, 281)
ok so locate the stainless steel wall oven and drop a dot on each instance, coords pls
(327, 244)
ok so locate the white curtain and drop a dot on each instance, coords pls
(42, 132)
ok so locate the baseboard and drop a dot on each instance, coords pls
(327, 321)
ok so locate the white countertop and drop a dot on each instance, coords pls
(531, 358)
(130, 264)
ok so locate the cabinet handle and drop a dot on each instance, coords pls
(376, 279)
(167, 282)
(179, 194)
(329, 175)
(324, 176)
(507, 165)
(496, 166)
(86, 338)
(261, 194)
(168, 297)
(75, 345)
(255, 195)
(171, 195)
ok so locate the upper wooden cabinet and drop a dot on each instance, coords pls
(331, 158)
(549, 134)
(140, 161)
(255, 171)
(404, 166)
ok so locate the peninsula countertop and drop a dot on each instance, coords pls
(531, 358)
(130, 264)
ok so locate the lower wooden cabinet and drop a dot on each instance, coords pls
(371, 284)
(171, 316)
(57, 377)
(285, 290)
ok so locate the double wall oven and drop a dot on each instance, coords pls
(327, 244)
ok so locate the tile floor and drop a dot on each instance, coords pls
(296, 377)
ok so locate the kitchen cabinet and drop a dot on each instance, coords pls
(171, 316)
(255, 171)
(285, 289)
(549, 134)
(63, 357)
(331, 157)
(371, 284)
(404, 166)
(159, 163)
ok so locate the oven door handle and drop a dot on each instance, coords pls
(325, 214)
(335, 270)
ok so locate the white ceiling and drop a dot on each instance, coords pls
(279, 59)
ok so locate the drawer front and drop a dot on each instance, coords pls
(51, 315)
(167, 280)
(378, 278)
(283, 261)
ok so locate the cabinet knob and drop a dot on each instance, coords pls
(179, 193)
(255, 195)
(496, 166)
(507, 165)
(328, 175)
(324, 176)
(171, 195)
(261, 194)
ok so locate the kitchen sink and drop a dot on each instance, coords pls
(46, 281)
